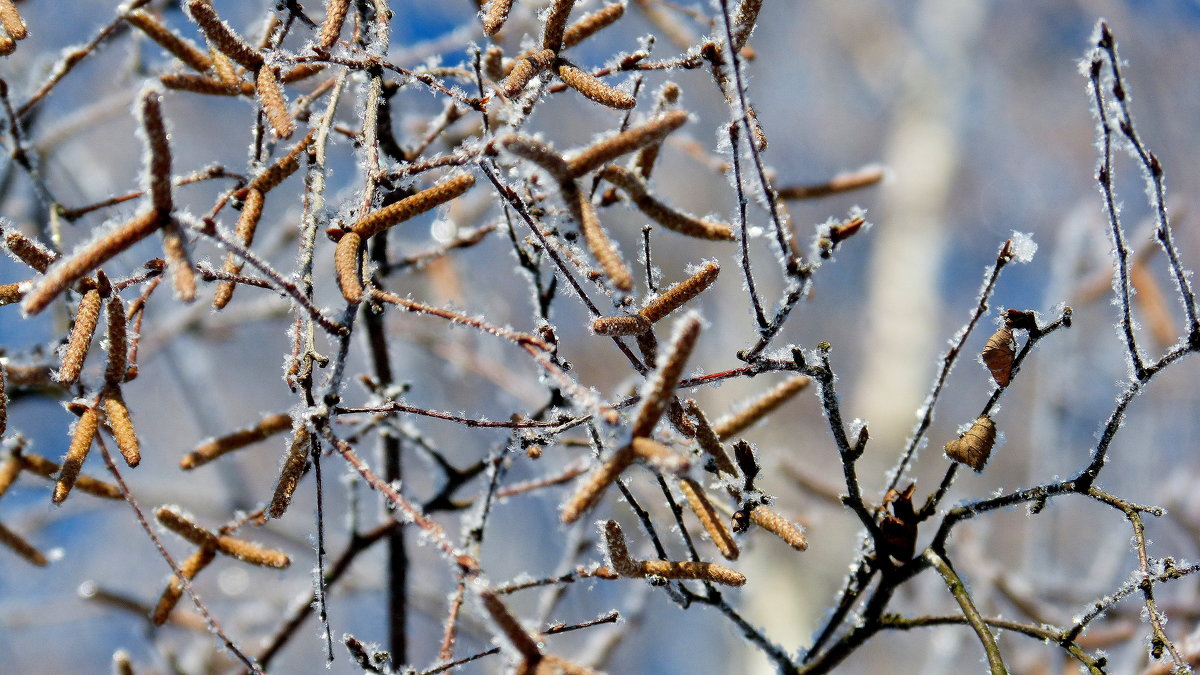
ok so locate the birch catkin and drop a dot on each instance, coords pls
(556, 24)
(410, 207)
(182, 49)
(274, 104)
(87, 259)
(118, 420)
(205, 85)
(661, 213)
(597, 240)
(29, 251)
(760, 408)
(247, 223)
(698, 501)
(608, 149)
(207, 452)
(779, 526)
(682, 292)
(525, 69)
(158, 169)
(590, 24)
(82, 436)
(118, 344)
(87, 316)
(592, 87)
(331, 27)
(596, 483)
(45, 468)
(290, 474)
(18, 545)
(170, 597)
(222, 36)
(495, 15)
(657, 392)
(668, 569)
(345, 264)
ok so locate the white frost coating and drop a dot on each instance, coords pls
(1023, 246)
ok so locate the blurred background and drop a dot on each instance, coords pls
(983, 121)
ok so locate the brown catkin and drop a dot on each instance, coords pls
(275, 174)
(184, 50)
(517, 636)
(525, 69)
(158, 169)
(661, 213)
(608, 149)
(657, 392)
(7, 45)
(45, 468)
(10, 294)
(184, 527)
(708, 440)
(119, 422)
(493, 63)
(660, 456)
(597, 240)
(779, 526)
(207, 452)
(590, 24)
(183, 277)
(11, 19)
(592, 87)
(247, 223)
(170, 597)
(205, 85)
(274, 103)
(618, 552)
(998, 355)
(300, 72)
(10, 468)
(345, 263)
(29, 251)
(118, 343)
(539, 153)
(975, 446)
(620, 326)
(252, 553)
(87, 316)
(222, 36)
(687, 569)
(698, 501)
(843, 182)
(82, 435)
(18, 545)
(760, 407)
(409, 207)
(680, 293)
(290, 474)
(331, 27)
(91, 256)
(556, 24)
(595, 483)
(744, 19)
(494, 15)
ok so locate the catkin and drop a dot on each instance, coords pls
(708, 440)
(10, 468)
(184, 50)
(608, 149)
(331, 27)
(275, 174)
(11, 19)
(10, 294)
(493, 63)
(82, 435)
(45, 468)
(657, 392)
(843, 182)
(556, 24)
(170, 597)
(21, 547)
(7, 45)
(698, 501)
(91, 256)
(29, 251)
(761, 407)
(87, 316)
(596, 483)
(660, 455)
(781, 527)
(119, 422)
(589, 24)
(205, 85)
(592, 87)
(207, 452)
(744, 19)
(345, 263)
(252, 553)
(247, 223)
(290, 474)
(998, 355)
(539, 153)
(661, 213)
(598, 243)
(222, 36)
(975, 446)
(118, 344)
(273, 101)
(183, 277)
(184, 527)
(669, 569)
(618, 326)
(520, 639)
(159, 167)
(495, 15)
(409, 207)
(680, 293)
(525, 69)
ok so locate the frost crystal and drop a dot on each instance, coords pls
(1023, 247)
